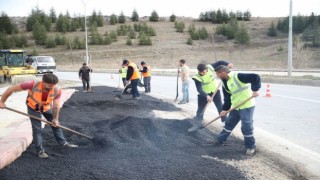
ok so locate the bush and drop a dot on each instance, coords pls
(107, 40)
(144, 39)
(129, 41)
(179, 26)
(60, 40)
(114, 36)
(173, 18)
(34, 52)
(189, 41)
(242, 36)
(113, 19)
(132, 34)
(4, 41)
(22, 41)
(50, 42)
(134, 16)
(78, 44)
(280, 48)
(203, 33)
(154, 16)
(272, 31)
(123, 29)
(121, 18)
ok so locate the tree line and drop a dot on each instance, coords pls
(222, 16)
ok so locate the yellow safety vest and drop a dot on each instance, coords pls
(239, 91)
(208, 81)
(124, 72)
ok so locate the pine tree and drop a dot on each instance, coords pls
(4, 41)
(135, 16)
(173, 18)
(50, 43)
(121, 18)
(39, 33)
(61, 25)
(154, 16)
(242, 36)
(272, 31)
(5, 24)
(247, 15)
(113, 19)
(53, 15)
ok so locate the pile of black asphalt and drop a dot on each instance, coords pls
(129, 143)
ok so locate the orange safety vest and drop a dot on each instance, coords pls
(136, 73)
(148, 73)
(34, 99)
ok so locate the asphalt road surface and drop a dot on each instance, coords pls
(291, 113)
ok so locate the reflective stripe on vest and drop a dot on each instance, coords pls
(239, 91)
(208, 82)
(124, 72)
(34, 99)
(148, 73)
(136, 73)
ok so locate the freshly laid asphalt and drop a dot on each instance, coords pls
(132, 144)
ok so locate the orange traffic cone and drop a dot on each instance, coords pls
(268, 94)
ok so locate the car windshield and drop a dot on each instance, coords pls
(45, 59)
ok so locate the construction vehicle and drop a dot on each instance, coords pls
(14, 68)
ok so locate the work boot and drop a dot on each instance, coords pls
(182, 102)
(136, 98)
(43, 155)
(250, 151)
(70, 145)
(196, 125)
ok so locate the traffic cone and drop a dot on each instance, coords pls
(268, 94)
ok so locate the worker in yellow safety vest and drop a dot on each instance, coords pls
(133, 77)
(123, 72)
(206, 84)
(146, 73)
(236, 89)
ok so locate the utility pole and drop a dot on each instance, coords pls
(86, 32)
(290, 42)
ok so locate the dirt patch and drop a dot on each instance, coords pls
(130, 143)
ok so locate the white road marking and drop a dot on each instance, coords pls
(301, 99)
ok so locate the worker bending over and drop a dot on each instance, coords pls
(235, 91)
(40, 96)
(133, 75)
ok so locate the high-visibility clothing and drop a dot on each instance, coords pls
(239, 91)
(148, 73)
(208, 81)
(124, 72)
(136, 73)
(34, 99)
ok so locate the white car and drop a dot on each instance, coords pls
(44, 64)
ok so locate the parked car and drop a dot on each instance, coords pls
(44, 64)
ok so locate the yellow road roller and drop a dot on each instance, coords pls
(14, 68)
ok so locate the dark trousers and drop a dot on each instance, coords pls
(36, 129)
(147, 85)
(124, 82)
(246, 117)
(86, 84)
(202, 102)
(134, 84)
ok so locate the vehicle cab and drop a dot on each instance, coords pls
(44, 64)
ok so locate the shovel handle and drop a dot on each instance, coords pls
(48, 122)
(233, 108)
(214, 93)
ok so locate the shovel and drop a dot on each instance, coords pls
(214, 93)
(119, 96)
(50, 123)
(195, 128)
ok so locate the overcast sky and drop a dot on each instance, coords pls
(188, 8)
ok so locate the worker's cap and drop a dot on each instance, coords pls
(143, 63)
(124, 62)
(222, 68)
(219, 63)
